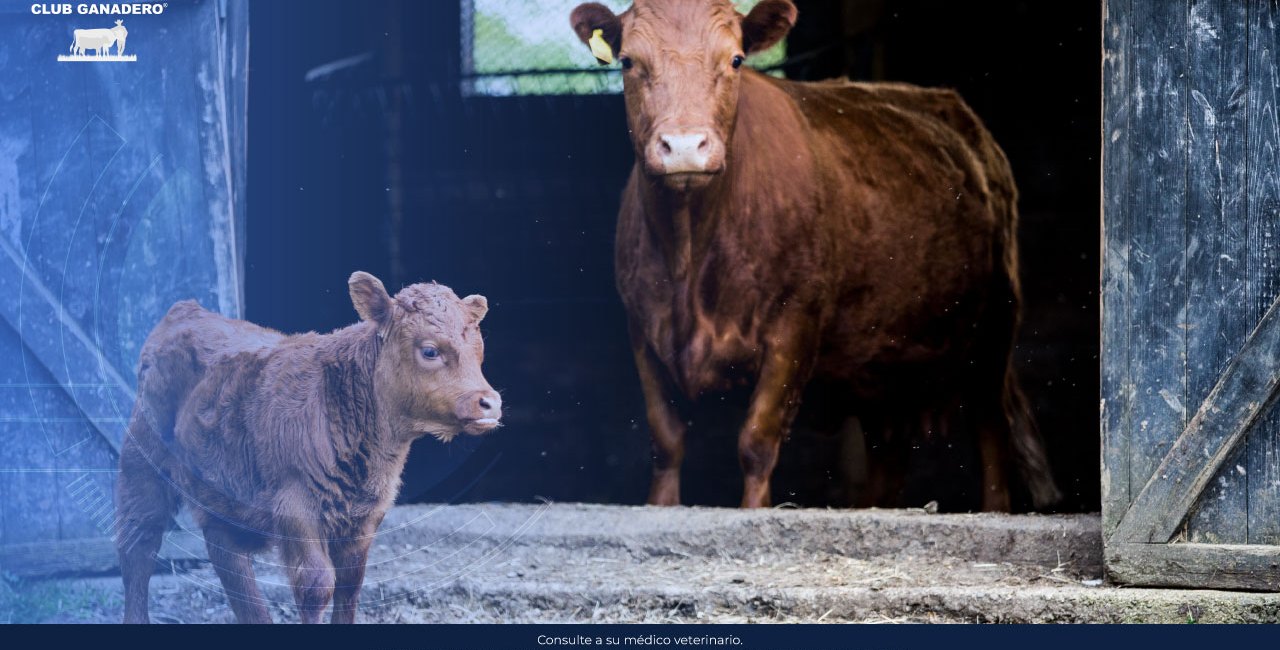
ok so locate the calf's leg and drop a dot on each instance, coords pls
(235, 570)
(310, 572)
(665, 424)
(774, 403)
(349, 560)
(145, 504)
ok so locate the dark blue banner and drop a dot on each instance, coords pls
(740, 637)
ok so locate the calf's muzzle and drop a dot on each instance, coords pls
(480, 411)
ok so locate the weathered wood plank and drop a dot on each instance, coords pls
(49, 437)
(70, 357)
(1262, 468)
(31, 507)
(1156, 185)
(90, 555)
(1244, 391)
(1218, 313)
(1116, 388)
(233, 39)
(1199, 566)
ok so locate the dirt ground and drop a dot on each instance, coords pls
(587, 563)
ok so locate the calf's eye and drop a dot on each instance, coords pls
(431, 353)
(626, 62)
(737, 61)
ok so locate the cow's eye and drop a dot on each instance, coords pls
(626, 62)
(431, 353)
(737, 61)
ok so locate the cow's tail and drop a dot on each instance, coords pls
(1025, 441)
(1029, 454)
(1027, 445)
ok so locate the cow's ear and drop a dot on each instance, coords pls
(589, 17)
(370, 299)
(477, 305)
(767, 24)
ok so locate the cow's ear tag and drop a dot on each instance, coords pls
(599, 48)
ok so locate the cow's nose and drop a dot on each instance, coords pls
(490, 405)
(684, 152)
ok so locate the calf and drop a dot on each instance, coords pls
(773, 233)
(293, 441)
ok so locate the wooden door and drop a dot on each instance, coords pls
(1190, 278)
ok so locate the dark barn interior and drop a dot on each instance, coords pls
(380, 163)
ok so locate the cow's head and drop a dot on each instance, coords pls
(681, 69)
(428, 369)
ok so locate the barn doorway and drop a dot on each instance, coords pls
(376, 152)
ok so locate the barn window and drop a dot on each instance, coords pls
(525, 47)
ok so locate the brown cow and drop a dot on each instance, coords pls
(773, 233)
(293, 441)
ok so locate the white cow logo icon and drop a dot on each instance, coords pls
(99, 41)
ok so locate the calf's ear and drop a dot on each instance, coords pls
(766, 24)
(589, 17)
(370, 298)
(478, 306)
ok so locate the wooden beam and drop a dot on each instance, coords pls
(68, 358)
(1116, 384)
(1199, 566)
(1242, 394)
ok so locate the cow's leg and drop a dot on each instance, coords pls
(787, 365)
(998, 404)
(145, 505)
(991, 426)
(993, 448)
(310, 570)
(235, 570)
(665, 424)
(349, 560)
(993, 435)
(888, 455)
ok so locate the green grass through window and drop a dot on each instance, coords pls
(525, 47)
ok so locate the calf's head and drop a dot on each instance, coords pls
(428, 368)
(681, 69)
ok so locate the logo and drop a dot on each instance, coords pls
(98, 44)
(95, 45)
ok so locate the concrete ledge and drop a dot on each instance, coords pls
(572, 562)
(702, 532)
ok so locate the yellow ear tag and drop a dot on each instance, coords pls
(599, 48)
